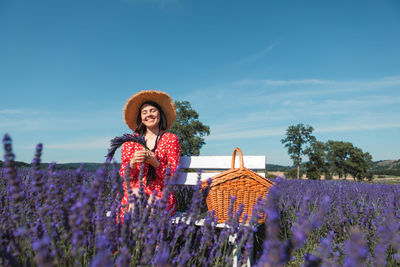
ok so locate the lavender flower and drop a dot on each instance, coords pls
(44, 256)
(15, 188)
(69, 226)
(103, 257)
(355, 249)
(123, 258)
(275, 252)
(38, 181)
(161, 258)
(311, 260)
(118, 141)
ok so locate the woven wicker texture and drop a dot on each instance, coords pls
(243, 183)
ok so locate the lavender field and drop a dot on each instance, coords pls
(58, 218)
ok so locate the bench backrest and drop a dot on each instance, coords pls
(213, 165)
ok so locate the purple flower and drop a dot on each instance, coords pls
(355, 249)
(42, 248)
(311, 260)
(38, 180)
(16, 190)
(103, 256)
(162, 256)
(123, 258)
(117, 141)
(68, 225)
(274, 252)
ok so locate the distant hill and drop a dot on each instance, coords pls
(386, 167)
(17, 163)
(383, 167)
(277, 168)
(89, 166)
(387, 164)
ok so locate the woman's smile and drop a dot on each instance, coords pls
(150, 116)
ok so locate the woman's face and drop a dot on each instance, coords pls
(150, 116)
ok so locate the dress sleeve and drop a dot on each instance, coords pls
(127, 152)
(175, 154)
(173, 151)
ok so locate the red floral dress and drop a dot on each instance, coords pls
(167, 152)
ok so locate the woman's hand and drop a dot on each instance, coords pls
(151, 159)
(144, 156)
(138, 157)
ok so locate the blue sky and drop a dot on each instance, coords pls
(249, 68)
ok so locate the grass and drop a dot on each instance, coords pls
(386, 179)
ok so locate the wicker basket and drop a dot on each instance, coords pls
(243, 183)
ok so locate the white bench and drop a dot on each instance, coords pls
(217, 164)
(211, 166)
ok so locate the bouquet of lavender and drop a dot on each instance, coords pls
(118, 141)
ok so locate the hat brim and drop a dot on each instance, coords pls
(131, 109)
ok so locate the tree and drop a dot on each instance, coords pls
(359, 164)
(338, 154)
(189, 129)
(292, 173)
(296, 137)
(317, 161)
(345, 159)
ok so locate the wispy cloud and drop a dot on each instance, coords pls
(38, 120)
(262, 132)
(257, 56)
(26, 119)
(262, 108)
(259, 91)
(246, 134)
(385, 81)
(348, 106)
(318, 86)
(258, 82)
(87, 143)
(13, 111)
(281, 90)
(357, 127)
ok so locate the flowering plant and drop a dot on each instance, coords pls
(118, 141)
(57, 218)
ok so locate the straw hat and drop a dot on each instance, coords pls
(131, 109)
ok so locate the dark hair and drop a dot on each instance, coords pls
(141, 128)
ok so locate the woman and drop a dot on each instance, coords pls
(150, 113)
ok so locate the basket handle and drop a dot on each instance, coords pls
(240, 158)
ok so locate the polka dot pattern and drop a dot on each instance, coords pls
(168, 153)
